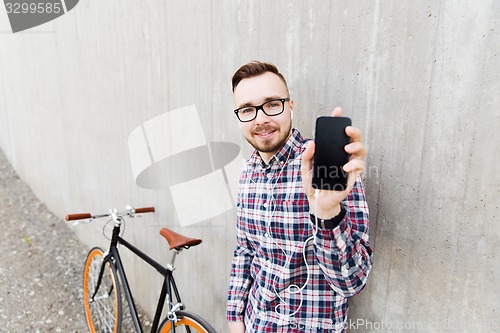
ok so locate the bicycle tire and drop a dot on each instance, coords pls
(187, 322)
(104, 314)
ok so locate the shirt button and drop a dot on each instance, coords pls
(266, 235)
(270, 175)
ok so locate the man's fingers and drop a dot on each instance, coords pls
(356, 164)
(337, 112)
(354, 133)
(356, 148)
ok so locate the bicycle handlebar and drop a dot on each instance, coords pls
(145, 210)
(81, 216)
(129, 212)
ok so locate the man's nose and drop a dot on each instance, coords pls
(261, 117)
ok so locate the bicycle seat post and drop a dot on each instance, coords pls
(171, 266)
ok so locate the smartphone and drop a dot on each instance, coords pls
(329, 156)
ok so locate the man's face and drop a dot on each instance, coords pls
(265, 133)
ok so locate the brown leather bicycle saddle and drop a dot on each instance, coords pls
(176, 241)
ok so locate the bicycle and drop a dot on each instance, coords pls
(104, 271)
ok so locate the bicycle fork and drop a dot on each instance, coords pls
(99, 280)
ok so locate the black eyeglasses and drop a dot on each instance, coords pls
(270, 108)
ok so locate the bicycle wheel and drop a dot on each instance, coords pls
(187, 322)
(104, 311)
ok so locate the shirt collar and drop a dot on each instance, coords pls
(293, 145)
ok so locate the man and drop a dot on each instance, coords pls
(291, 273)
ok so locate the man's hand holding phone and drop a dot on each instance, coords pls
(326, 204)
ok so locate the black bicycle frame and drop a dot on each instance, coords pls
(166, 291)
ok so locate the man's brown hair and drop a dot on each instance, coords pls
(255, 68)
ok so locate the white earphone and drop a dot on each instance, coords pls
(285, 308)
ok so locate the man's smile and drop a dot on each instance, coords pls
(265, 134)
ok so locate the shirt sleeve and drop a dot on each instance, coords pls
(344, 253)
(240, 279)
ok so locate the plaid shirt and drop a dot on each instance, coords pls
(268, 289)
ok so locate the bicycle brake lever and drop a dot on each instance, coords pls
(130, 211)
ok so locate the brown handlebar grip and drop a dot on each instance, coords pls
(82, 216)
(145, 210)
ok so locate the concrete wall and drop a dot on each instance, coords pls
(420, 79)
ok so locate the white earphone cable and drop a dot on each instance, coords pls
(292, 288)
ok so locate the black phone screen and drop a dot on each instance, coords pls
(329, 156)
